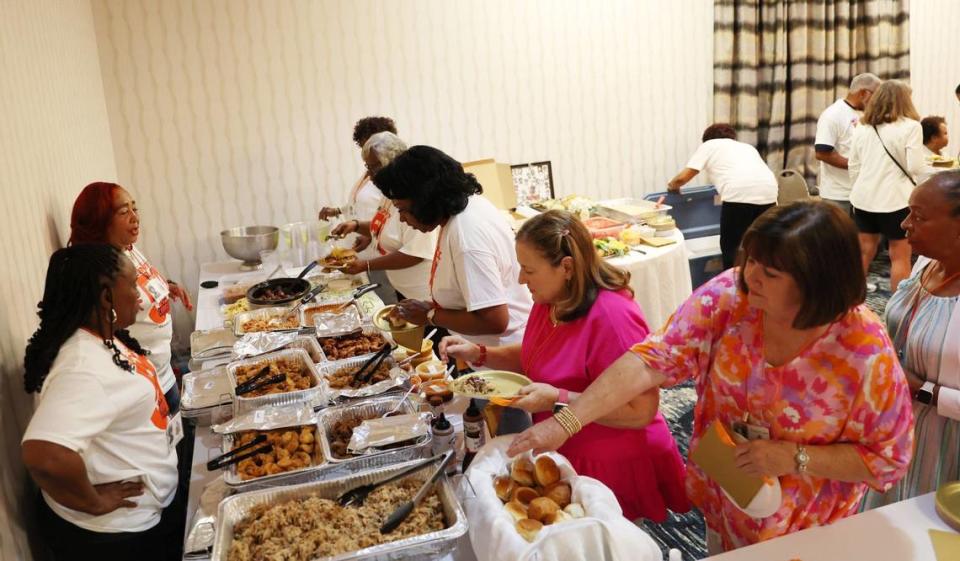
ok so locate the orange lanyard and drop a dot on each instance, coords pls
(435, 263)
(377, 223)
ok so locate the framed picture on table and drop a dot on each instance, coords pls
(533, 182)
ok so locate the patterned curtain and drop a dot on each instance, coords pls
(779, 63)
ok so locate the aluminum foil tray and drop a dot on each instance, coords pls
(233, 479)
(260, 313)
(397, 377)
(315, 395)
(204, 392)
(309, 343)
(426, 546)
(605, 208)
(211, 343)
(419, 448)
(367, 330)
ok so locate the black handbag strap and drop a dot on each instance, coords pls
(909, 177)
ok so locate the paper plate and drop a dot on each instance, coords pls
(504, 384)
(948, 504)
(410, 337)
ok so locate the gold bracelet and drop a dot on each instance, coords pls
(569, 421)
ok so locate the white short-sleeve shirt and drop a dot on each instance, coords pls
(737, 170)
(115, 421)
(879, 185)
(397, 236)
(477, 268)
(154, 326)
(835, 128)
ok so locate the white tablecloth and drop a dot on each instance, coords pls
(896, 532)
(660, 278)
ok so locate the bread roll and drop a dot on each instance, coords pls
(560, 493)
(556, 518)
(524, 495)
(516, 510)
(546, 471)
(575, 510)
(504, 487)
(522, 472)
(529, 528)
(540, 507)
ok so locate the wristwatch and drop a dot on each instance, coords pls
(801, 458)
(430, 314)
(925, 393)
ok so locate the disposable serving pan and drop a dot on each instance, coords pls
(204, 392)
(310, 344)
(232, 478)
(366, 330)
(433, 545)
(260, 313)
(606, 208)
(211, 343)
(314, 395)
(419, 448)
(327, 369)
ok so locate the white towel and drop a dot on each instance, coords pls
(603, 535)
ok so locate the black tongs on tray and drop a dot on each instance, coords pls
(367, 369)
(404, 510)
(234, 456)
(357, 495)
(258, 381)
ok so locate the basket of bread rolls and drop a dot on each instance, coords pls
(538, 508)
(535, 495)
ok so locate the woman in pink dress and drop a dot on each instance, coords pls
(583, 319)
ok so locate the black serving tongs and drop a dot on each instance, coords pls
(234, 456)
(367, 370)
(261, 384)
(357, 495)
(251, 381)
(404, 510)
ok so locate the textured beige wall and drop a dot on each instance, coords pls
(934, 66)
(238, 112)
(55, 137)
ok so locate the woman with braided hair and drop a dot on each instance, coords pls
(98, 444)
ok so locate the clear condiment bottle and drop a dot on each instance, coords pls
(473, 437)
(444, 440)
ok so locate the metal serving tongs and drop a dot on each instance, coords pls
(404, 510)
(307, 298)
(357, 495)
(360, 291)
(367, 369)
(232, 456)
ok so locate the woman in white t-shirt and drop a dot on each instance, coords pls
(473, 280)
(402, 251)
(100, 445)
(886, 155)
(364, 198)
(106, 213)
(746, 186)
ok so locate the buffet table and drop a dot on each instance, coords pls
(896, 532)
(659, 277)
(207, 444)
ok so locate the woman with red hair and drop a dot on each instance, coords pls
(106, 213)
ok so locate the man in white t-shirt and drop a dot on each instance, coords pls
(834, 131)
(743, 180)
(935, 139)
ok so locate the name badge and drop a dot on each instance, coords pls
(174, 430)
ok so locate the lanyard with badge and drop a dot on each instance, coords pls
(174, 424)
(434, 264)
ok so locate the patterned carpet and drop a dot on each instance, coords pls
(686, 531)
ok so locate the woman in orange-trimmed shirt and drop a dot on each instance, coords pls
(784, 348)
(106, 213)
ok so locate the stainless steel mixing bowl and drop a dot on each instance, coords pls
(246, 243)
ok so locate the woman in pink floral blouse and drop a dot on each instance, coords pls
(783, 344)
